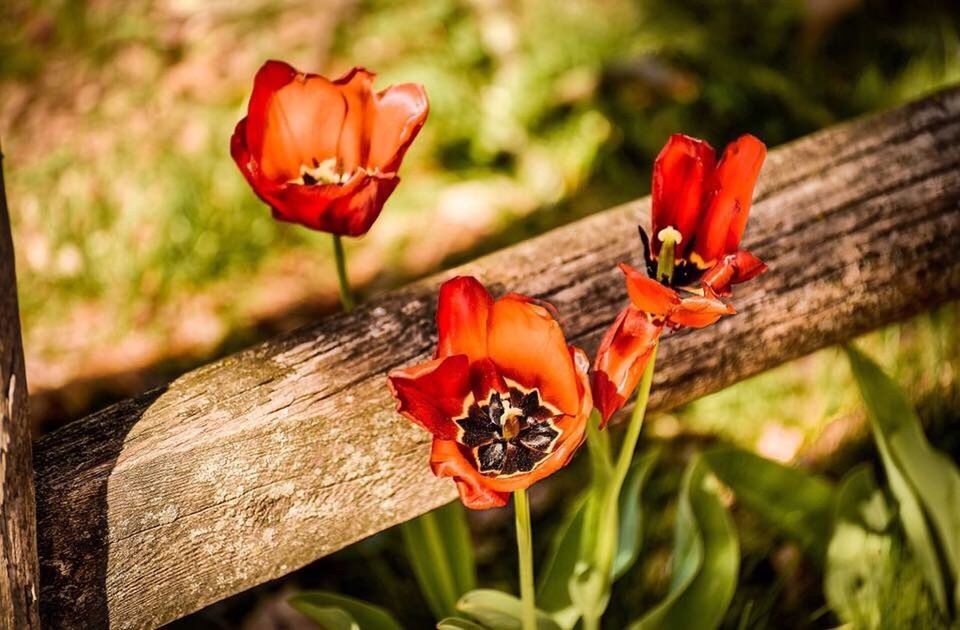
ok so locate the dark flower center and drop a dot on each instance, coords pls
(685, 274)
(509, 433)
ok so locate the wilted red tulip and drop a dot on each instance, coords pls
(700, 208)
(622, 357)
(323, 153)
(505, 397)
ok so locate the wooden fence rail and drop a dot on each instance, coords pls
(245, 469)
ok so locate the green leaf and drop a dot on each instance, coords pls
(859, 568)
(497, 610)
(924, 481)
(797, 503)
(575, 540)
(441, 554)
(458, 623)
(706, 558)
(630, 535)
(553, 594)
(337, 612)
(329, 618)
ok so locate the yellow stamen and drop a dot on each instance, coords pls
(323, 173)
(326, 173)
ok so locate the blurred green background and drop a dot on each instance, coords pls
(141, 251)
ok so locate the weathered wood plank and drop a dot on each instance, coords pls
(18, 527)
(248, 468)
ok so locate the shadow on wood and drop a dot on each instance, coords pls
(74, 549)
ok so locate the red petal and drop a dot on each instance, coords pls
(356, 88)
(528, 346)
(733, 269)
(649, 295)
(348, 210)
(446, 460)
(463, 317)
(303, 127)
(433, 394)
(623, 355)
(271, 77)
(240, 153)
(679, 173)
(728, 196)
(581, 365)
(485, 378)
(400, 112)
(697, 312)
(746, 266)
(477, 497)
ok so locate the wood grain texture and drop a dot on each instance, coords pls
(250, 467)
(18, 533)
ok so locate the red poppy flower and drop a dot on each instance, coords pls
(505, 397)
(704, 207)
(323, 153)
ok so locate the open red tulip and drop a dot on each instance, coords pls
(505, 397)
(706, 203)
(703, 206)
(325, 154)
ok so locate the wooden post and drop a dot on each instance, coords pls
(18, 526)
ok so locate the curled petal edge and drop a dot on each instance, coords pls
(733, 269)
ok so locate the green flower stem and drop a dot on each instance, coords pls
(521, 508)
(665, 267)
(346, 295)
(608, 517)
(636, 421)
(598, 444)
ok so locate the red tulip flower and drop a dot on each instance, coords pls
(323, 153)
(622, 357)
(704, 206)
(505, 397)
(700, 207)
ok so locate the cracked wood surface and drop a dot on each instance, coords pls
(245, 469)
(18, 534)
